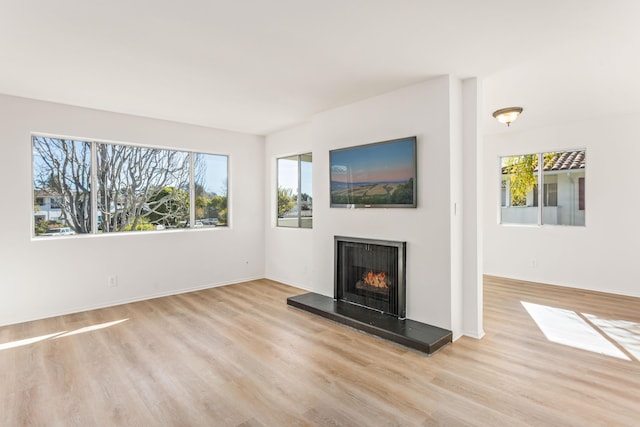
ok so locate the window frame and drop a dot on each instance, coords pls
(94, 185)
(298, 203)
(540, 190)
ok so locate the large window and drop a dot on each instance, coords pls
(561, 187)
(82, 187)
(295, 207)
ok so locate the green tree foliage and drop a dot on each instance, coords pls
(210, 205)
(522, 178)
(217, 208)
(201, 204)
(42, 226)
(403, 194)
(286, 200)
(142, 224)
(222, 217)
(168, 207)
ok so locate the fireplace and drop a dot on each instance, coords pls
(371, 273)
(370, 294)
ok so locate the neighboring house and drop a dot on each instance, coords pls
(306, 204)
(563, 193)
(47, 206)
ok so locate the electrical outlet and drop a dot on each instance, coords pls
(113, 281)
(534, 263)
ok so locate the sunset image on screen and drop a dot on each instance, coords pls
(380, 174)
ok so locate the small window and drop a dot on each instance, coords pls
(562, 183)
(294, 199)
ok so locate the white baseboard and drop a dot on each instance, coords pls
(475, 334)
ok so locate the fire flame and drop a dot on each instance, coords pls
(376, 280)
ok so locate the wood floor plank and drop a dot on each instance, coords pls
(239, 356)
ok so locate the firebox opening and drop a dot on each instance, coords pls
(374, 282)
(371, 273)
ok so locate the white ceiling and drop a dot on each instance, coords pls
(258, 65)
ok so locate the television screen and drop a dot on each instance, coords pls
(378, 175)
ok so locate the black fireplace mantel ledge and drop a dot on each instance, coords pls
(409, 333)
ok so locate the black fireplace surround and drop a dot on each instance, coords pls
(371, 273)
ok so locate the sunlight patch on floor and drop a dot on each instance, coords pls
(569, 328)
(27, 341)
(625, 333)
(56, 335)
(91, 328)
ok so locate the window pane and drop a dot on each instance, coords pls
(61, 186)
(141, 188)
(288, 191)
(306, 191)
(210, 190)
(519, 177)
(563, 172)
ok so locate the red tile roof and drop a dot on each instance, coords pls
(562, 160)
(566, 160)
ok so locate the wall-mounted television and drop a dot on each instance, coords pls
(377, 175)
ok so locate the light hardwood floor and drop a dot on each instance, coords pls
(239, 356)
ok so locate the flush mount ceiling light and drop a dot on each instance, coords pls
(507, 115)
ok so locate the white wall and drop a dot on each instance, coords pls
(288, 251)
(442, 286)
(41, 278)
(421, 110)
(443, 279)
(472, 209)
(601, 256)
(456, 177)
